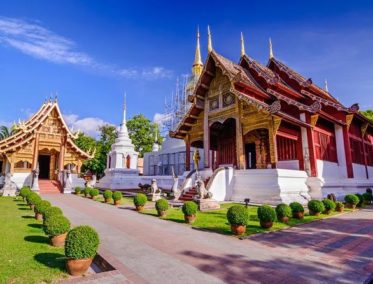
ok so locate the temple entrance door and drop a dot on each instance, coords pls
(44, 166)
(250, 153)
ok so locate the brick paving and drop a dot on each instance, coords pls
(145, 249)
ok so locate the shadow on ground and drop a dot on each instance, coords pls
(37, 239)
(52, 260)
(28, 217)
(37, 226)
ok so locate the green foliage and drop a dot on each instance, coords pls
(94, 192)
(140, 199)
(42, 206)
(87, 190)
(161, 205)
(316, 206)
(368, 114)
(368, 197)
(108, 194)
(51, 211)
(352, 199)
(33, 198)
(238, 215)
(296, 207)
(339, 206)
(81, 242)
(266, 213)
(143, 133)
(25, 191)
(283, 210)
(6, 132)
(117, 195)
(78, 190)
(56, 225)
(361, 199)
(189, 208)
(328, 204)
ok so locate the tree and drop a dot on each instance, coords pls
(143, 133)
(368, 113)
(5, 132)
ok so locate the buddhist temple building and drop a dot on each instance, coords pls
(42, 152)
(272, 135)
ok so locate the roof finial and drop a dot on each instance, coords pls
(197, 64)
(124, 108)
(209, 41)
(270, 49)
(243, 53)
(326, 86)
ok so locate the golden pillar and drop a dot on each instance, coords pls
(241, 161)
(35, 153)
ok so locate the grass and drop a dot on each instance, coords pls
(100, 198)
(25, 253)
(216, 220)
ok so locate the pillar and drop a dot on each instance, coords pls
(241, 163)
(346, 142)
(206, 136)
(311, 147)
(35, 153)
(187, 153)
(341, 152)
(61, 158)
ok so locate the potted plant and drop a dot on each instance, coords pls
(266, 215)
(361, 200)
(238, 217)
(51, 211)
(351, 200)
(368, 197)
(33, 198)
(297, 210)
(108, 195)
(80, 248)
(190, 210)
(283, 212)
(162, 206)
(93, 193)
(56, 227)
(40, 208)
(329, 206)
(339, 206)
(86, 191)
(24, 192)
(78, 190)
(315, 207)
(117, 197)
(140, 200)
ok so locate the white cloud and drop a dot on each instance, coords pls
(37, 41)
(88, 125)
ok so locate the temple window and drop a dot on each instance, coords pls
(325, 144)
(22, 165)
(286, 148)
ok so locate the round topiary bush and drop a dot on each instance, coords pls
(238, 215)
(361, 199)
(297, 209)
(329, 205)
(161, 205)
(189, 208)
(81, 242)
(266, 213)
(51, 211)
(339, 206)
(368, 197)
(140, 199)
(283, 212)
(94, 192)
(42, 206)
(316, 207)
(24, 192)
(87, 191)
(117, 196)
(56, 225)
(352, 200)
(108, 195)
(33, 198)
(78, 190)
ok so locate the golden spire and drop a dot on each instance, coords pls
(270, 49)
(197, 64)
(242, 45)
(326, 86)
(209, 41)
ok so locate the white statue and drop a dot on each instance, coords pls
(155, 192)
(202, 192)
(10, 187)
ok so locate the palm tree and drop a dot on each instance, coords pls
(5, 132)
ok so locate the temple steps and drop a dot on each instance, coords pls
(188, 195)
(49, 186)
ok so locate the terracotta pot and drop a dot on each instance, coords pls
(351, 206)
(327, 212)
(189, 218)
(339, 209)
(266, 225)
(116, 202)
(284, 219)
(314, 213)
(162, 213)
(139, 208)
(298, 215)
(77, 267)
(38, 216)
(238, 229)
(107, 200)
(58, 241)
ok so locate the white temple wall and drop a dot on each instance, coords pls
(22, 179)
(221, 185)
(329, 170)
(359, 171)
(288, 165)
(370, 172)
(341, 155)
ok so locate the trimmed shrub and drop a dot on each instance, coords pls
(56, 225)
(189, 208)
(86, 191)
(329, 205)
(108, 194)
(51, 211)
(339, 206)
(93, 192)
(33, 198)
(369, 190)
(361, 200)
(352, 199)
(161, 205)
(25, 191)
(315, 207)
(368, 197)
(78, 190)
(117, 195)
(266, 213)
(332, 197)
(238, 215)
(81, 242)
(296, 207)
(283, 210)
(140, 199)
(42, 206)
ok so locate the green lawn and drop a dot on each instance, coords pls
(216, 220)
(100, 198)
(25, 255)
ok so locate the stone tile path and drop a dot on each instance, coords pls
(149, 250)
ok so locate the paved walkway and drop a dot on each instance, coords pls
(146, 249)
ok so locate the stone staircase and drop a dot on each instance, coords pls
(189, 195)
(47, 186)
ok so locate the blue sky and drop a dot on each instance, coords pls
(91, 52)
